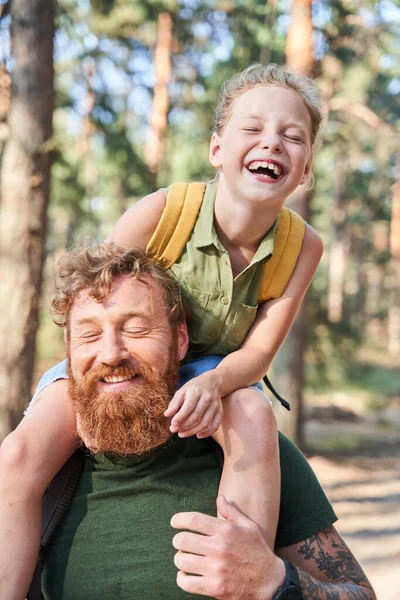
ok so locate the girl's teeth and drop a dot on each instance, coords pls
(265, 165)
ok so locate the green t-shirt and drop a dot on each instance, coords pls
(116, 540)
(223, 307)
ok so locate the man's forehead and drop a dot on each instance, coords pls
(128, 295)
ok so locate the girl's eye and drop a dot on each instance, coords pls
(294, 138)
(251, 129)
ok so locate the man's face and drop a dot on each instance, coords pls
(123, 365)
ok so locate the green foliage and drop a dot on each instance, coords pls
(104, 78)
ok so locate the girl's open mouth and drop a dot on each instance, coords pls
(267, 169)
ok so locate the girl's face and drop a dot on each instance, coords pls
(264, 151)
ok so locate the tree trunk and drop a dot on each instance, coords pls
(159, 118)
(394, 308)
(338, 249)
(5, 98)
(289, 364)
(299, 41)
(25, 186)
(358, 317)
(88, 129)
(270, 21)
(376, 299)
(290, 377)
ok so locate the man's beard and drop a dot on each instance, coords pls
(131, 421)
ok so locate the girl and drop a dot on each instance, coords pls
(262, 147)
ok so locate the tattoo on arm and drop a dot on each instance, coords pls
(333, 558)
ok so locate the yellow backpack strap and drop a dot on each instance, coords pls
(177, 222)
(287, 247)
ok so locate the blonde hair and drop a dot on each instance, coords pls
(269, 75)
(94, 268)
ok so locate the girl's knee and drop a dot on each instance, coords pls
(249, 412)
(250, 404)
(17, 471)
(13, 452)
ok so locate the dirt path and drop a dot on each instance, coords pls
(365, 493)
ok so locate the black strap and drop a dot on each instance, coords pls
(55, 504)
(35, 591)
(271, 388)
(59, 496)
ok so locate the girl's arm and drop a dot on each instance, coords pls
(250, 363)
(136, 226)
(29, 459)
(274, 320)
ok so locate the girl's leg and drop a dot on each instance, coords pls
(29, 459)
(251, 475)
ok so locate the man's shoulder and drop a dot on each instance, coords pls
(304, 509)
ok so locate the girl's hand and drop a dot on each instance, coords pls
(196, 408)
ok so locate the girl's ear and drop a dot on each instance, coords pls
(307, 171)
(215, 151)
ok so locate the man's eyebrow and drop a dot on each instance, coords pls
(131, 314)
(87, 321)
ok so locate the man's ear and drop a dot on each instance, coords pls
(307, 170)
(183, 340)
(215, 151)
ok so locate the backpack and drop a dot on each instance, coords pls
(55, 504)
(177, 222)
(179, 217)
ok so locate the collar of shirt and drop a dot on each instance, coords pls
(204, 234)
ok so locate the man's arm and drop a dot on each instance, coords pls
(327, 568)
(230, 560)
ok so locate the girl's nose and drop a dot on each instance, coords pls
(272, 142)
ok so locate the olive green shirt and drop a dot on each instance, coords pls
(223, 307)
(116, 540)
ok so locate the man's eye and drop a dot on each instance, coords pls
(135, 331)
(90, 335)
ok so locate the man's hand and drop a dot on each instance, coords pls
(226, 558)
(196, 408)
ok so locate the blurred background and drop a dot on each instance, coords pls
(103, 101)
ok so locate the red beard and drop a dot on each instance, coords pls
(131, 421)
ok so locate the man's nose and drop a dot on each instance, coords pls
(113, 349)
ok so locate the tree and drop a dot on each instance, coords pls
(394, 309)
(356, 76)
(25, 187)
(289, 365)
(159, 118)
(338, 246)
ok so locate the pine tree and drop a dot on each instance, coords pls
(25, 188)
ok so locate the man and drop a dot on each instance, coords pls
(125, 332)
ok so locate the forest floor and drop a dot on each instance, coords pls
(357, 460)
